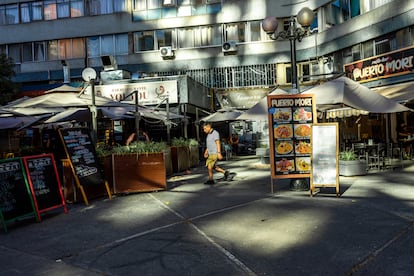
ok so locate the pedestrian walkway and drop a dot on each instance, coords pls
(231, 228)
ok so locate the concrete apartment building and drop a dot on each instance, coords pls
(218, 44)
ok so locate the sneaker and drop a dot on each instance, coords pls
(209, 182)
(226, 175)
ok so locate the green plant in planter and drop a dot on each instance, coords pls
(134, 147)
(348, 155)
(192, 142)
(179, 142)
(182, 142)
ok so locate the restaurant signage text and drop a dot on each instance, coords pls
(149, 93)
(383, 66)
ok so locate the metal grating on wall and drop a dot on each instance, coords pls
(232, 77)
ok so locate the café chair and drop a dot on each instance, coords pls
(360, 150)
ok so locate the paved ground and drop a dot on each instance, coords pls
(231, 228)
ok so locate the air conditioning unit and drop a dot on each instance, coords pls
(166, 52)
(168, 3)
(229, 47)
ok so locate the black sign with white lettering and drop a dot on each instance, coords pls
(82, 154)
(43, 178)
(15, 197)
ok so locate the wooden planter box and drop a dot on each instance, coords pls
(352, 167)
(139, 173)
(180, 157)
(168, 162)
(194, 156)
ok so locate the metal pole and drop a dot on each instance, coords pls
(168, 121)
(137, 115)
(292, 39)
(94, 114)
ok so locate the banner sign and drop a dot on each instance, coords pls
(383, 66)
(149, 93)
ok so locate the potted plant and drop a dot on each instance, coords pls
(139, 167)
(350, 164)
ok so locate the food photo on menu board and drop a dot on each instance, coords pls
(284, 148)
(285, 165)
(282, 114)
(302, 164)
(302, 114)
(303, 130)
(303, 147)
(283, 131)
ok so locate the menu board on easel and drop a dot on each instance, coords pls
(291, 118)
(16, 201)
(44, 183)
(325, 147)
(83, 159)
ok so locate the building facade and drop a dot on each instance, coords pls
(218, 43)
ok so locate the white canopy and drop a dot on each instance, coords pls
(222, 115)
(258, 112)
(343, 92)
(63, 99)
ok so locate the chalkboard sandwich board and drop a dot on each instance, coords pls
(81, 152)
(44, 183)
(16, 201)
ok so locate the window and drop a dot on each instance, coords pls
(11, 14)
(14, 53)
(144, 41)
(78, 48)
(39, 51)
(235, 31)
(52, 50)
(27, 53)
(368, 49)
(165, 38)
(97, 7)
(37, 9)
(77, 8)
(63, 8)
(49, 9)
(140, 5)
(31, 11)
(25, 12)
(255, 31)
(208, 36)
(66, 49)
(186, 38)
(384, 44)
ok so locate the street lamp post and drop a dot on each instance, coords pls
(305, 18)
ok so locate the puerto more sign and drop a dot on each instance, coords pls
(383, 66)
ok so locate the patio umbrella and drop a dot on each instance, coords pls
(84, 114)
(258, 112)
(223, 115)
(64, 99)
(64, 88)
(342, 92)
(17, 122)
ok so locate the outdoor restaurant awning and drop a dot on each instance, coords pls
(344, 92)
(402, 92)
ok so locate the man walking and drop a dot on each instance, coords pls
(213, 153)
